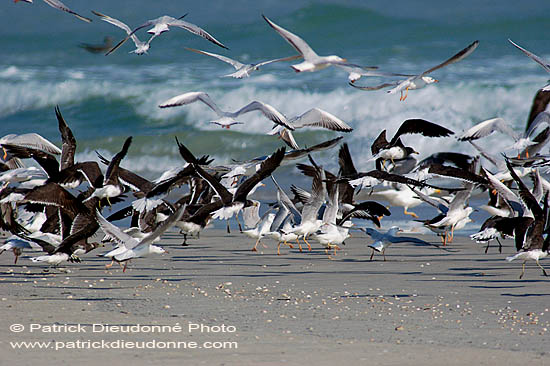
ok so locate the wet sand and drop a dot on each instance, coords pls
(423, 305)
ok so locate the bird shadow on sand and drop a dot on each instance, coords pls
(525, 295)
(374, 296)
(88, 299)
(495, 287)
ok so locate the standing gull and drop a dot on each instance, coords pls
(529, 239)
(309, 223)
(261, 228)
(458, 211)
(530, 243)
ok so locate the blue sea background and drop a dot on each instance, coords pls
(105, 99)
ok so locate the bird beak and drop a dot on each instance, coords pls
(262, 185)
(416, 152)
(438, 191)
(436, 81)
(400, 230)
(166, 252)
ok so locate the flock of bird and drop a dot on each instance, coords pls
(56, 204)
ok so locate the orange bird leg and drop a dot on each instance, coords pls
(308, 245)
(299, 245)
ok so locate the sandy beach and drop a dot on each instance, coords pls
(221, 304)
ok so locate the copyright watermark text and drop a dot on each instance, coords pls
(120, 328)
(107, 331)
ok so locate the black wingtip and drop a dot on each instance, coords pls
(267, 20)
(58, 113)
(186, 154)
(127, 142)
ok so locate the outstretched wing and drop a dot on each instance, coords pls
(68, 148)
(236, 64)
(195, 29)
(459, 56)
(115, 233)
(532, 56)
(375, 87)
(486, 128)
(267, 167)
(59, 5)
(316, 117)
(191, 97)
(112, 168)
(268, 111)
(420, 126)
(298, 43)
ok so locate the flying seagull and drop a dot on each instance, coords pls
(163, 24)
(312, 61)
(243, 70)
(314, 117)
(522, 141)
(421, 80)
(130, 247)
(112, 187)
(395, 150)
(383, 240)
(141, 47)
(59, 5)
(227, 119)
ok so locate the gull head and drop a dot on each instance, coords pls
(157, 250)
(335, 59)
(410, 150)
(353, 77)
(394, 230)
(429, 80)
(468, 210)
(226, 122)
(347, 224)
